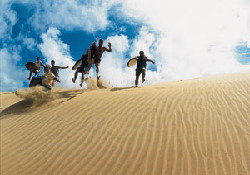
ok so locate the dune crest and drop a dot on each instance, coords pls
(198, 126)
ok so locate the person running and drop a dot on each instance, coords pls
(98, 56)
(37, 69)
(82, 69)
(55, 70)
(48, 78)
(91, 52)
(141, 67)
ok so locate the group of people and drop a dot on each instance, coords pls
(93, 56)
(51, 73)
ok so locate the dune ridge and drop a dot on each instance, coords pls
(198, 126)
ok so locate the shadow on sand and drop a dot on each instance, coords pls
(122, 88)
(68, 94)
(18, 108)
(27, 105)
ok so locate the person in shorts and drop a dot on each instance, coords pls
(55, 70)
(48, 78)
(141, 67)
(82, 69)
(37, 70)
(97, 56)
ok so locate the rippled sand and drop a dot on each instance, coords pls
(199, 126)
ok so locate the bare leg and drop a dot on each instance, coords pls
(53, 83)
(97, 65)
(75, 77)
(136, 79)
(90, 61)
(143, 75)
(82, 79)
(29, 75)
(36, 72)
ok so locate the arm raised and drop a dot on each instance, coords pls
(109, 49)
(64, 67)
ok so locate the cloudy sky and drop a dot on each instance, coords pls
(186, 38)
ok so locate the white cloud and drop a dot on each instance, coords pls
(88, 16)
(120, 42)
(194, 38)
(11, 76)
(53, 48)
(30, 43)
(7, 19)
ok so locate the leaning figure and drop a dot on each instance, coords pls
(81, 66)
(48, 78)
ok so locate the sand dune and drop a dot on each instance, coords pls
(199, 126)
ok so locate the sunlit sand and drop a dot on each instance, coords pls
(199, 126)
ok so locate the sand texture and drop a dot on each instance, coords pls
(199, 126)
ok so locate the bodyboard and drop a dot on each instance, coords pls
(77, 64)
(132, 62)
(31, 66)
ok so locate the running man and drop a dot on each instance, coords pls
(82, 69)
(55, 70)
(48, 78)
(141, 67)
(97, 58)
(37, 70)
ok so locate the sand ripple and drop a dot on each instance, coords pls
(198, 126)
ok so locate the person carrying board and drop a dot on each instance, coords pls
(141, 62)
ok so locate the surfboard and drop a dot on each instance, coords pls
(132, 62)
(31, 66)
(77, 64)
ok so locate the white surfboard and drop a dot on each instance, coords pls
(132, 62)
(77, 64)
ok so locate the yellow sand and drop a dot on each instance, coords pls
(199, 126)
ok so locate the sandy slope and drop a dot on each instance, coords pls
(198, 126)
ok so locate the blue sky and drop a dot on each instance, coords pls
(186, 40)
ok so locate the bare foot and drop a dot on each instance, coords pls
(28, 78)
(81, 84)
(143, 80)
(73, 80)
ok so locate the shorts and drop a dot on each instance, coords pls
(34, 70)
(97, 60)
(82, 69)
(139, 70)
